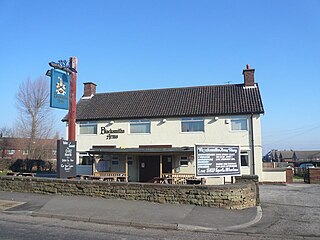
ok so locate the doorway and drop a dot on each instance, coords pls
(149, 168)
(166, 164)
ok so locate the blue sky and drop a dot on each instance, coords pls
(128, 45)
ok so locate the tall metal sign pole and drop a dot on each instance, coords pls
(73, 100)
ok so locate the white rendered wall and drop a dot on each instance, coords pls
(216, 132)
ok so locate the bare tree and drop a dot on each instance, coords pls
(6, 132)
(35, 120)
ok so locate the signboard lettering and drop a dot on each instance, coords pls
(217, 161)
(66, 158)
(111, 132)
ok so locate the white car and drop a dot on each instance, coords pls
(306, 165)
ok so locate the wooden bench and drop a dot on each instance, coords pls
(20, 174)
(105, 176)
(178, 178)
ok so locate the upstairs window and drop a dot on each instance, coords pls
(192, 125)
(239, 124)
(140, 126)
(88, 127)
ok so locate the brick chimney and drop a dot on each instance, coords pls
(89, 89)
(248, 76)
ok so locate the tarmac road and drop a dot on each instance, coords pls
(289, 212)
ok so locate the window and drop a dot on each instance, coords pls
(184, 161)
(11, 152)
(244, 157)
(130, 160)
(85, 160)
(115, 161)
(140, 126)
(192, 125)
(88, 128)
(239, 123)
(25, 152)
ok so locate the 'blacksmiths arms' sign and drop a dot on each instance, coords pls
(111, 133)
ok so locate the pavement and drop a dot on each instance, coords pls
(128, 213)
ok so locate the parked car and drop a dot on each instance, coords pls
(306, 165)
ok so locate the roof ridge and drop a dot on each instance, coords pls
(170, 88)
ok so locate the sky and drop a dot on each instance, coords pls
(146, 44)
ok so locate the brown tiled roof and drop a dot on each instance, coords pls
(172, 102)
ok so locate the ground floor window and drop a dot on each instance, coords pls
(184, 161)
(244, 157)
(85, 159)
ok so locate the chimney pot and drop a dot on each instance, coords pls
(89, 89)
(248, 74)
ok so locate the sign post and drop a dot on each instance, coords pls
(217, 161)
(63, 96)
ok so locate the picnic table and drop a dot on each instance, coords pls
(20, 174)
(103, 178)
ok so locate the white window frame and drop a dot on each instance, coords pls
(184, 159)
(239, 118)
(11, 151)
(192, 120)
(88, 124)
(140, 122)
(247, 154)
(25, 151)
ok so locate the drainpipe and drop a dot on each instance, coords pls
(252, 145)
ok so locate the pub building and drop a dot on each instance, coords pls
(147, 135)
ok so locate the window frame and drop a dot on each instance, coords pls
(191, 120)
(10, 151)
(183, 159)
(140, 122)
(239, 118)
(88, 124)
(247, 154)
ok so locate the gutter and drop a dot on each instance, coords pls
(252, 145)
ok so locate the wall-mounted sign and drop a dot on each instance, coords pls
(59, 90)
(66, 158)
(217, 161)
(111, 133)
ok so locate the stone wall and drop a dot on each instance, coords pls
(243, 194)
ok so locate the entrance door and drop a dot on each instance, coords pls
(149, 167)
(166, 164)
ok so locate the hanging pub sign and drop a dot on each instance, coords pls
(59, 90)
(217, 161)
(66, 158)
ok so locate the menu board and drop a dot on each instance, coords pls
(217, 161)
(66, 159)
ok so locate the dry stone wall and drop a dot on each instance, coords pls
(243, 194)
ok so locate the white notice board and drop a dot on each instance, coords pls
(217, 160)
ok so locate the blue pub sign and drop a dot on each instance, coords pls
(59, 91)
